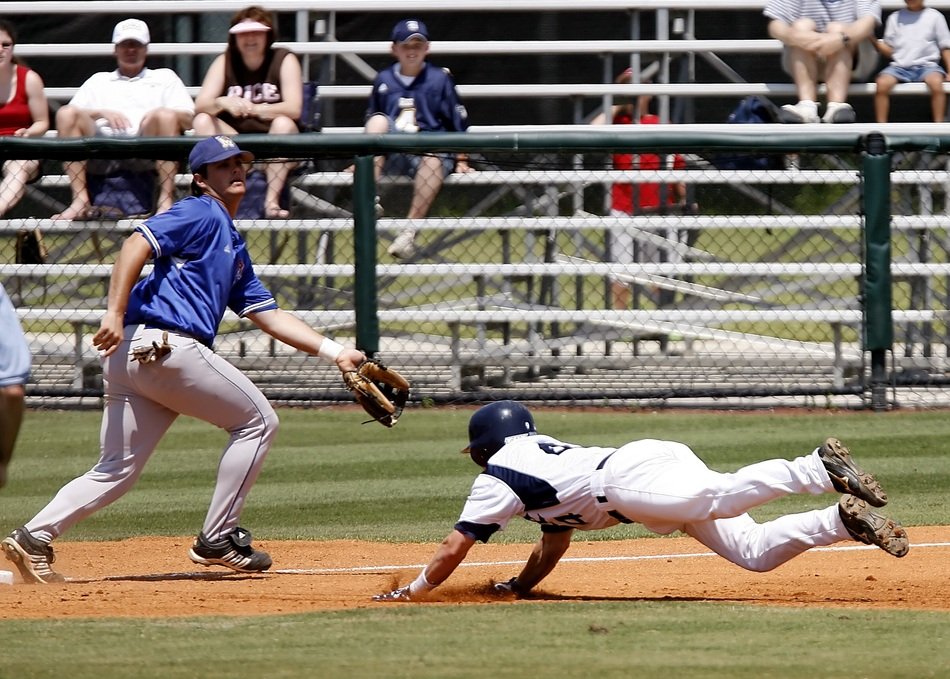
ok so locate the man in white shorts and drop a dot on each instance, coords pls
(131, 101)
(822, 41)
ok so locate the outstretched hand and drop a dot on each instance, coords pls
(510, 588)
(400, 594)
(349, 359)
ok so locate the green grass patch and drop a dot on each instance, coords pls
(329, 478)
(604, 640)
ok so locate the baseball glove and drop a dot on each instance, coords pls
(381, 391)
(151, 353)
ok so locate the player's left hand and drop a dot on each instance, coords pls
(349, 359)
(509, 588)
(400, 594)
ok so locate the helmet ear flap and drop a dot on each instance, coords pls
(480, 456)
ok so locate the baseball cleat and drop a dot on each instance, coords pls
(31, 557)
(232, 550)
(867, 526)
(848, 477)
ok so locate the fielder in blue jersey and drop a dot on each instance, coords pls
(662, 485)
(157, 364)
(413, 96)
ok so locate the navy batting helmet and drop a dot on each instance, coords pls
(491, 426)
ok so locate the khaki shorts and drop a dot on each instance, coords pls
(865, 62)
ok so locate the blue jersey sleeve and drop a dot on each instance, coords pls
(173, 231)
(452, 112)
(248, 294)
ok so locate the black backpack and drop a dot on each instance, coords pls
(753, 109)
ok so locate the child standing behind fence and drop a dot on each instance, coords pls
(915, 39)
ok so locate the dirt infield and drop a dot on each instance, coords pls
(148, 577)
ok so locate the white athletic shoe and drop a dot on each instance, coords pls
(802, 112)
(838, 112)
(404, 245)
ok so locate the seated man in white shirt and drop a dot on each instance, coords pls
(132, 101)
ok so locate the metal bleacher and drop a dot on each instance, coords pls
(675, 27)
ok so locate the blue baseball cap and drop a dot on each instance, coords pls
(410, 29)
(215, 149)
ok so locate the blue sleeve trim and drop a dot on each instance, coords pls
(477, 531)
(147, 232)
(266, 305)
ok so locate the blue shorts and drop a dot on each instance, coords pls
(406, 164)
(15, 356)
(912, 74)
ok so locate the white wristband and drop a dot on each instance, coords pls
(420, 585)
(329, 350)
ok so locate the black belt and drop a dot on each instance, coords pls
(603, 499)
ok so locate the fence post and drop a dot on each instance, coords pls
(364, 252)
(878, 326)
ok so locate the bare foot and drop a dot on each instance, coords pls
(74, 211)
(275, 212)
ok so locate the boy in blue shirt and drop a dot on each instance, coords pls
(414, 96)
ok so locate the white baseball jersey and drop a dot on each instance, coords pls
(541, 479)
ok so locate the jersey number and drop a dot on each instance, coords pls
(552, 449)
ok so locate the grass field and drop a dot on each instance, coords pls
(329, 478)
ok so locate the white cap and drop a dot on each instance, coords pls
(249, 26)
(6, 578)
(130, 29)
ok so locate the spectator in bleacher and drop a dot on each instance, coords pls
(131, 101)
(413, 96)
(15, 363)
(253, 88)
(821, 43)
(641, 198)
(915, 39)
(23, 113)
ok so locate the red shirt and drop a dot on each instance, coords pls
(15, 114)
(648, 194)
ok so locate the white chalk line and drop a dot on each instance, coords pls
(576, 559)
(227, 575)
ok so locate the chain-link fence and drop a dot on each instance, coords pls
(705, 270)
